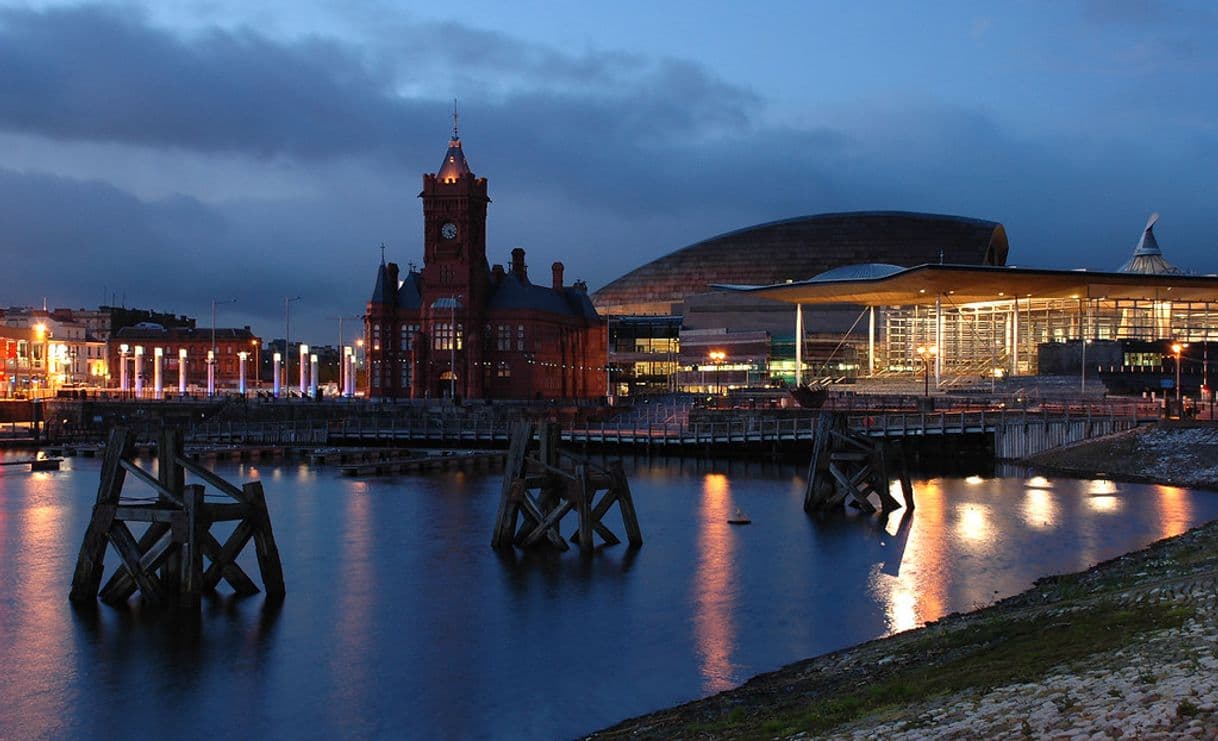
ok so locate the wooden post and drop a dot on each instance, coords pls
(269, 564)
(90, 563)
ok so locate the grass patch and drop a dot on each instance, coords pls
(988, 654)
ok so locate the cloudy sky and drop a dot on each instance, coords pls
(169, 154)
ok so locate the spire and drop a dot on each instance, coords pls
(1147, 257)
(382, 253)
(454, 166)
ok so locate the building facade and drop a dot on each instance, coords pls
(459, 328)
(182, 347)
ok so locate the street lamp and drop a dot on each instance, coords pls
(1176, 348)
(40, 330)
(287, 329)
(211, 359)
(342, 362)
(717, 357)
(257, 363)
(927, 354)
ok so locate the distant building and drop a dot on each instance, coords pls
(146, 338)
(459, 327)
(757, 337)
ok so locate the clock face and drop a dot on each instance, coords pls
(448, 230)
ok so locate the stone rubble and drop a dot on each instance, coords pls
(1163, 686)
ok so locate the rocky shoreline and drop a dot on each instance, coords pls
(1126, 648)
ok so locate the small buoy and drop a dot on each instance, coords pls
(740, 518)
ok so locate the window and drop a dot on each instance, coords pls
(520, 337)
(505, 338)
(408, 331)
(442, 336)
(503, 370)
(406, 375)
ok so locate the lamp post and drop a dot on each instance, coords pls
(287, 330)
(40, 330)
(927, 354)
(342, 362)
(122, 367)
(211, 359)
(1176, 349)
(355, 363)
(717, 357)
(257, 363)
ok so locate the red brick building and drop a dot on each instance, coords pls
(196, 342)
(481, 332)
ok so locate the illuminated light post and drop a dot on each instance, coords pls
(181, 371)
(359, 344)
(139, 371)
(241, 356)
(257, 363)
(287, 341)
(211, 373)
(717, 357)
(158, 381)
(304, 369)
(214, 352)
(277, 373)
(122, 367)
(313, 375)
(348, 371)
(1176, 349)
(926, 353)
(40, 330)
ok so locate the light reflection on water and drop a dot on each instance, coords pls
(400, 620)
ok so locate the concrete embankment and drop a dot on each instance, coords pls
(1177, 454)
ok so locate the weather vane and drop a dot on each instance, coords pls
(455, 134)
(382, 253)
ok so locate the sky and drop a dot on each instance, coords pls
(165, 155)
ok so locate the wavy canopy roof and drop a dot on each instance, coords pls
(797, 249)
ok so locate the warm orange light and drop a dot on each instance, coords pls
(40, 330)
(717, 356)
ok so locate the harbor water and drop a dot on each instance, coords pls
(400, 620)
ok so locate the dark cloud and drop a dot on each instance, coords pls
(603, 160)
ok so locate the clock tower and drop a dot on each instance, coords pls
(454, 230)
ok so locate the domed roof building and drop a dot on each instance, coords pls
(799, 248)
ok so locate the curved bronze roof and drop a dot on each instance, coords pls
(797, 249)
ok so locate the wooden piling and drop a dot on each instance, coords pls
(166, 563)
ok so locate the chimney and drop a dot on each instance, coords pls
(519, 269)
(556, 269)
(497, 274)
(392, 283)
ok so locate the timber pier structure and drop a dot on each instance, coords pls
(1008, 433)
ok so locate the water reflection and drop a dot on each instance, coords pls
(1039, 509)
(1175, 510)
(912, 583)
(715, 585)
(973, 523)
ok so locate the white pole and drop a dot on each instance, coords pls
(313, 375)
(304, 369)
(211, 373)
(1015, 339)
(139, 371)
(158, 382)
(347, 371)
(182, 371)
(241, 356)
(938, 339)
(799, 344)
(871, 342)
(122, 368)
(277, 370)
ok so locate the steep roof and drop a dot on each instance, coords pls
(454, 165)
(514, 293)
(1147, 257)
(410, 294)
(380, 292)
